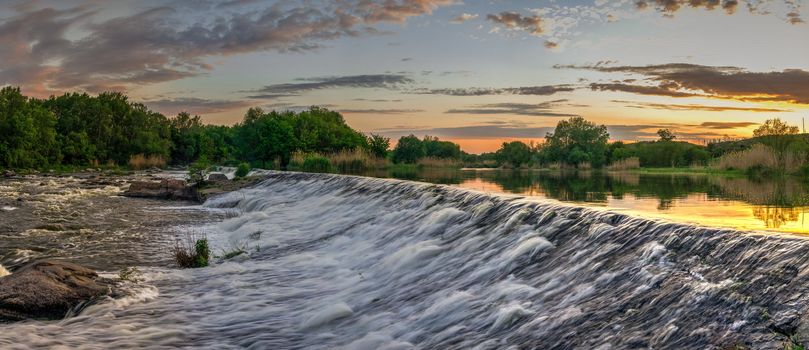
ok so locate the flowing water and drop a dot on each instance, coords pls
(361, 263)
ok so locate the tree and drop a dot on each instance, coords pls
(666, 135)
(435, 148)
(514, 153)
(577, 140)
(778, 136)
(409, 149)
(378, 145)
(775, 127)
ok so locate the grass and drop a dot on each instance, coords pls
(140, 162)
(191, 251)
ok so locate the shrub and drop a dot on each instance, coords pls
(316, 164)
(198, 170)
(140, 161)
(192, 252)
(242, 170)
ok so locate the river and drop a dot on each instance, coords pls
(353, 262)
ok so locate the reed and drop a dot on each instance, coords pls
(756, 156)
(625, 164)
(140, 162)
(356, 160)
(433, 162)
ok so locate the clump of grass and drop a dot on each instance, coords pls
(756, 156)
(140, 162)
(191, 252)
(356, 160)
(242, 170)
(129, 274)
(434, 162)
(624, 164)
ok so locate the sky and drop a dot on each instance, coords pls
(474, 72)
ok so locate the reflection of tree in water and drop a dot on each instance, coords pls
(775, 217)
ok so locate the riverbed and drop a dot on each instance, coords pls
(335, 261)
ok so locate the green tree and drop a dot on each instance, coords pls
(433, 147)
(666, 135)
(577, 140)
(514, 153)
(409, 149)
(378, 145)
(778, 135)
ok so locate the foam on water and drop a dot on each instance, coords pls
(357, 263)
(3, 271)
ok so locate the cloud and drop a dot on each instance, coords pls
(544, 109)
(490, 131)
(726, 125)
(515, 21)
(194, 105)
(162, 44)
(670, 7)
(381, 81)
(526, 90)
(721, 82)
(464, 17)
(381, 111)
(696, 107)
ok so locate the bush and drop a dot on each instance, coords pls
(316, 164)
(198, 170)
(243, 170)
(191, 252)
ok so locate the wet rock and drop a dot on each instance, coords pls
(48, 289)
(51, 227)
(9, 173)
(216, 177)
(165, 189)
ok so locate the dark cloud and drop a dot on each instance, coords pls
(381, 111)
(382, 81)
(195, 105)
(527, 90)
(722, 82)
(490, 131)
(162, 44)
(516, 21)
(671, 6)
(545, 109)
(375, 100)
(696, 107)
(726, 125)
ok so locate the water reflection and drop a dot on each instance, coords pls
(766, 204)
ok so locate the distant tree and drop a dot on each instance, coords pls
(514, 153)
(378, 145)
(778, 136)
(433, 147)
(409, 149)
(666, 135)
(577, 140)
(773, 127)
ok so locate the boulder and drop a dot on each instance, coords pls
(48, 289)
(217, 177)
(165, 189)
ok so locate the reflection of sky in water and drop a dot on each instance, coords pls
(709, 201)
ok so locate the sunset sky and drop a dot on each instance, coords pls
(474, 72)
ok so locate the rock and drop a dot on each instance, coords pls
(48, 289)
(165, 189)
(51, 227)
(9, 173)
(216, 177)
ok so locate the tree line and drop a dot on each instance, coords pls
(77, 129)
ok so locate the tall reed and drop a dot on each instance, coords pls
(624, 164)
(140, 161)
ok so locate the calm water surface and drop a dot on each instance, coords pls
(778, 205)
